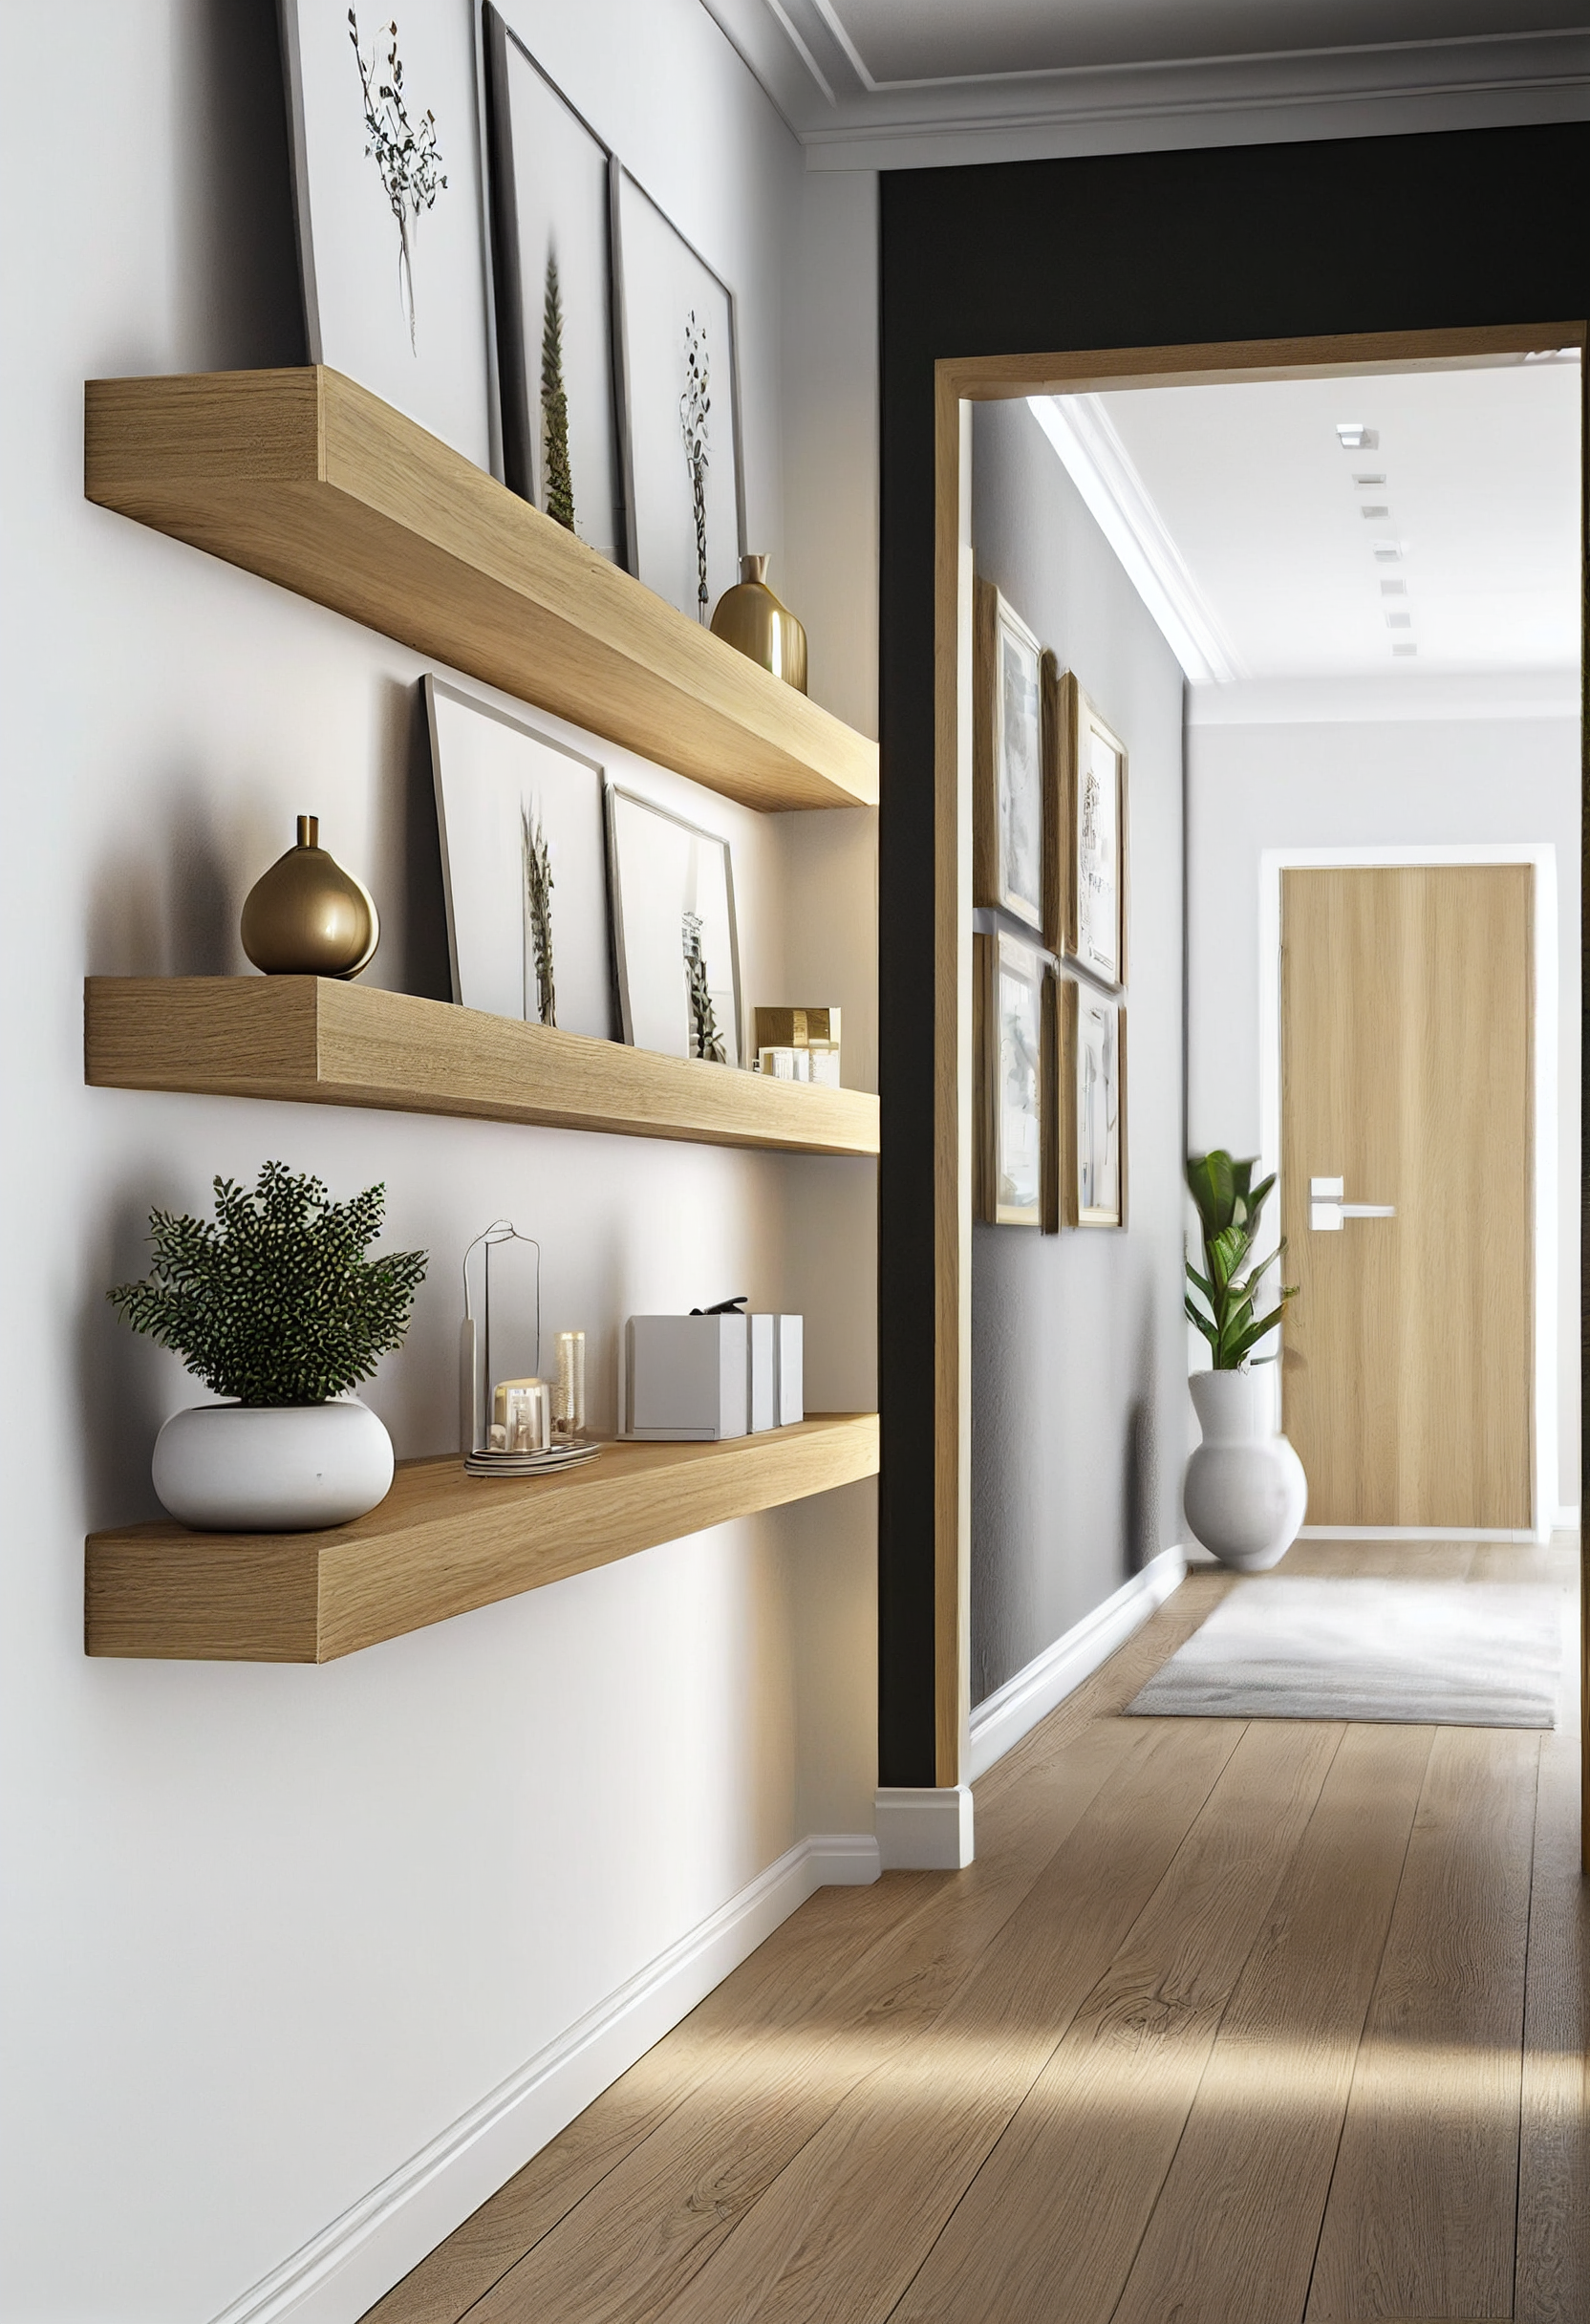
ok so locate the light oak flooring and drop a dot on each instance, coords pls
(1230, 2022)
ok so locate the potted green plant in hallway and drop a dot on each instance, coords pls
(1245, 1492)
(280, 1313)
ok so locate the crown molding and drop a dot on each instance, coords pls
(1100, 466)
(809, 70)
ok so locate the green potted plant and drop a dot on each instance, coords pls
(1245, 1492)
(277, 1308)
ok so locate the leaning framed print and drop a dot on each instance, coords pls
(1084, 916)
(1007, 760)
(549, 180)
(1008, 1007)
(1091, 1073)
(675, 941)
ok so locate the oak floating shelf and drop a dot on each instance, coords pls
(314, 1039)
(308, 479)
(439, 1544)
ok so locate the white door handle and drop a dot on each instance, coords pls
(1328, 1213)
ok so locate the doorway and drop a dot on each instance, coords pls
(1408, 1147)
(959, 383)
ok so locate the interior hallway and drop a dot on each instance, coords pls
(1230, 2022)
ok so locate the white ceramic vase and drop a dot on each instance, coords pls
(1246, 1492)
(273, 1467)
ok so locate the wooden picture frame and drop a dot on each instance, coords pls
(1007, 760)
(1090, 1069)
(1009, 1022)
(1084, 896)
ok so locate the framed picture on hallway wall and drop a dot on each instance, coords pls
(1008, 1008)
(1007, 760)
(1085, 915)
(1091, 1069)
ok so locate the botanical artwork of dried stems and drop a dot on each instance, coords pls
(705, 1040)
(559, 495)
(695, 404)
(403, 151)
(538, 919)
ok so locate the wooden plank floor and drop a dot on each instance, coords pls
(1232, 2022)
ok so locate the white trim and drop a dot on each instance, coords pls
(924, 1830)
(1566, 1519)
(1014, 1709)
(341, 2271)
(1099, 465)
(1542, 856)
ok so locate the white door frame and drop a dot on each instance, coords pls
(1543, 858)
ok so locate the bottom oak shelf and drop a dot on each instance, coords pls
(441, 1543)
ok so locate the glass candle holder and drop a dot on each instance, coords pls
(521, 1409)
(569, 1394)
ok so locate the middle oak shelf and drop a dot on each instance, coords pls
(314, 1039)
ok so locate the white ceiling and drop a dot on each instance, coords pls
(881, 82)
(1268, 551)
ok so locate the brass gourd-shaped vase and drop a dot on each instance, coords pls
(307, 916)
(750, 618)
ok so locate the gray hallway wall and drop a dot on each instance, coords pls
(1080, 1415)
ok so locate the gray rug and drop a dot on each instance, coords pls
(1410, 1653)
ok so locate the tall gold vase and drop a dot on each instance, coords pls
(750, 618)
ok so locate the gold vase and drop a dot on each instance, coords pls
(750, 618)
(307, 916)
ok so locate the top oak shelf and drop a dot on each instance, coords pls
(308, 479)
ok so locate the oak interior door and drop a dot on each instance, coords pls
(1406, 1010)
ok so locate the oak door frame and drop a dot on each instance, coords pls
(958, 382)
(1544, 1101)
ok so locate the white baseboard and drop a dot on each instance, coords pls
(341, 2271)
(924, 1830)
(1566, 1519)
(1015, 1709)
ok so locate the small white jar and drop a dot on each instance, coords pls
(273, 1467)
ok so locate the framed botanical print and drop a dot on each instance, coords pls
(1085, 915)
(1008, 995)
(549, 182)
(1091, 1073)
(675, 941)
(1007, 761)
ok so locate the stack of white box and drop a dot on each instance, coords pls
(699, 1378)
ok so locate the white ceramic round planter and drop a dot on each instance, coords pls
(273, 1467)
(1246, 1492)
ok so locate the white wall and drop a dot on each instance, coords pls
(1404, 782)
(270, 1930)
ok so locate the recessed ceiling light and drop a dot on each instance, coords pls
(1405, 650)
(1363, 482)
(1389, 552)
(1376, 513)
(1354, 436)
(1399, 621)
(1393, 588)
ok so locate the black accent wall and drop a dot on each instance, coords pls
(1120, 251)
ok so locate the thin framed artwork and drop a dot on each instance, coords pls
(523, 866)
(383, 134)
(551, 198)
(676, 943)
(1084, 916)
(1091, 1073)
(679, 407)
(1008, 1007)
(1007, 760)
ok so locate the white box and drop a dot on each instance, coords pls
(686, 1377)
(790, 1338)
(765, 1381)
